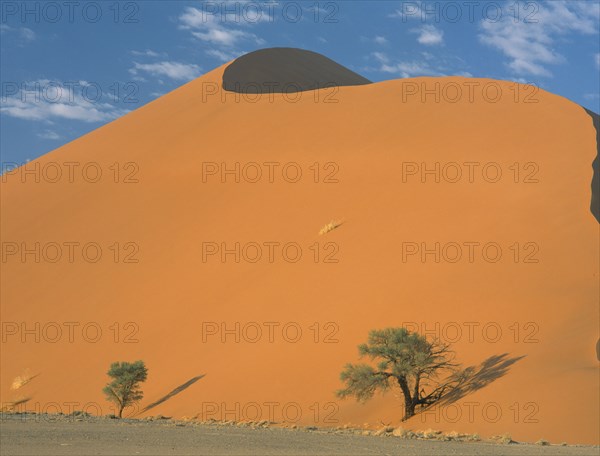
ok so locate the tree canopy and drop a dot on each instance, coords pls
(124, 390)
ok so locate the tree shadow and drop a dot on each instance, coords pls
(174, 392)
(474, 378)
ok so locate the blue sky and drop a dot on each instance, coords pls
(69, 67)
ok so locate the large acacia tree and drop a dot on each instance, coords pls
(405, 359)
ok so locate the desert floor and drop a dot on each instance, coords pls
(47, 435)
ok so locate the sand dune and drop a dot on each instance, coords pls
(520, 303)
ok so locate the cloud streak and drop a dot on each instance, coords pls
(25, 34)
(174, 70)
(208, 28)
(45, 100)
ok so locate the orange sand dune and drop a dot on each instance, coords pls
(374, 140)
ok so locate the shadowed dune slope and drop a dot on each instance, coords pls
(272, 329)
(595, 204)
(286, 70)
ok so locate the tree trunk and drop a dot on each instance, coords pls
(121, 411)
(410, 402)
(409, 409)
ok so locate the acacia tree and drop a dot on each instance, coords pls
(124, 390)
(403, 358)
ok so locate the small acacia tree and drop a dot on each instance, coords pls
(124, 390)
(404, 358)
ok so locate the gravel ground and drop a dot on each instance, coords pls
(49, 435)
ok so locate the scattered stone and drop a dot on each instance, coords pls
(503, 439)
(429, 434)
(401, 432)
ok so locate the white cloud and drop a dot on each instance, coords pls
(430, 66)
(221, 36)
(49, 134)
(207, 27)
(429, 35)
(25, 34)
(146, 53)
(412, 69)
(377, 39)
(44, 100)
(405, 69)
(597, 59)
(381, 57)
(519, 80)
(224, 56)
(172, 70)
(410, 10)
(529, 44)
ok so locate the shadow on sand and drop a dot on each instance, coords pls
(474, 378)
(176, 391)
